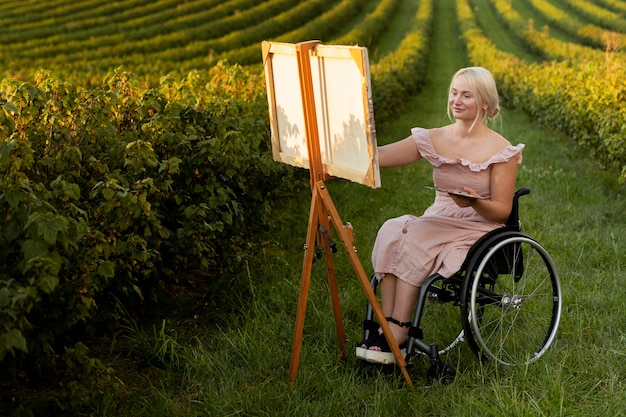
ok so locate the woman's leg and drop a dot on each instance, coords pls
(398, 300)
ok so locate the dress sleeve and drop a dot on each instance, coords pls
(503, 155)
(507, 153)
(425, 146)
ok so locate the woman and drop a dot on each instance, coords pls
(467, 157)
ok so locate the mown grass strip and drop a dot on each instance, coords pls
(390, 40)
(402, 73)
(501, 35)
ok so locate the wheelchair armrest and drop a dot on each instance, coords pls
(513, 220)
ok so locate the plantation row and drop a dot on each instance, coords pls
(107, 40)
(582, 96)
(589, 33)
(547, 47)
(85, 40)
(156, 44)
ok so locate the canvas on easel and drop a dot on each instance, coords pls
(343, 104)
(321, 118)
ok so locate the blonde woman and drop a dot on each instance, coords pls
(478, 167)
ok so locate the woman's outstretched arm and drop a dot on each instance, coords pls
(398, 153)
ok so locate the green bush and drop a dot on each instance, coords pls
(114, 192)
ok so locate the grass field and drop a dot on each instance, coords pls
(229, 364)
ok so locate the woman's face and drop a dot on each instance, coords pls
(462, 101)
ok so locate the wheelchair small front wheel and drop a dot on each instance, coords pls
(514, 305)
(442, 373)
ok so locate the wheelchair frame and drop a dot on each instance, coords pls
(508, 292)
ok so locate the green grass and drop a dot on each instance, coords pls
(390, 40)
(233, 358)
(496, 30)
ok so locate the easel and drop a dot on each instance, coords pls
(323, 215)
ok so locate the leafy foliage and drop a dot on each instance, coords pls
(115, 191)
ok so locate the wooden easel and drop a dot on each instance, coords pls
(322, 217)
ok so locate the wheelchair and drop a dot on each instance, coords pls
(508, 294)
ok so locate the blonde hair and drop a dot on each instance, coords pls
(483, 86)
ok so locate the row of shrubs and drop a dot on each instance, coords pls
(584, 99)
(372, 27)
(539, 41)
(591, 34)
(321, 27)
(190, 47)
(398, 75)
(599, 15)
(112, 193)
(102, 41)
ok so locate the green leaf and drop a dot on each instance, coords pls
(4, 297)
(12, 230)
(49, 230)
(34, 248)
(48, 283)
(13, 339)
(11, 107)
(107, 269)
(108, 194)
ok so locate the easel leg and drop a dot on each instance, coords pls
(371, 297)
(334, 293)
(305, 281)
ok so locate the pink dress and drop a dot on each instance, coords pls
(413, 248)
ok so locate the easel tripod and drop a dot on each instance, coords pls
(323, 215)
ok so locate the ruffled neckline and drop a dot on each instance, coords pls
(427, 150)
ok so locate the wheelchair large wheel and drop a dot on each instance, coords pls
(440, 315)
(511, 301)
